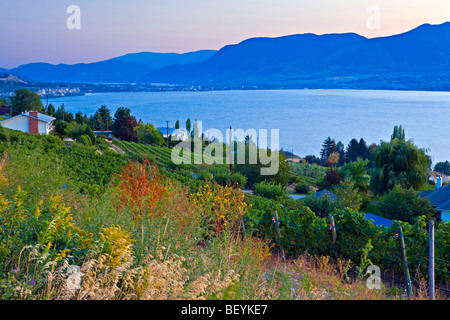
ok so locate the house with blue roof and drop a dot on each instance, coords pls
(439, 198)
(325, 193)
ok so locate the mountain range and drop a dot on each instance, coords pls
(417, 59)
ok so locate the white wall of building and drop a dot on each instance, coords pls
(17, 123)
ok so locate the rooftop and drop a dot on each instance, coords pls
(377, 220)
(325, 193)
(40, 117)
(439, 196)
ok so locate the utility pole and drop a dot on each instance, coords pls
(167, 134)
(431, 260)
(277, 227)
(231, 151)
(405, 263)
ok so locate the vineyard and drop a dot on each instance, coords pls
(162, 155)
(358, 239)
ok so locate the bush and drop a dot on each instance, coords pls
(405, 205)
(84, 139)
(269, 190)
(302, 187)
(320, 206)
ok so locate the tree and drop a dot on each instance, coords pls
(26, 100)
(398, 162)
(405, 205)
(61, 128)
(333, 158)
(442, 167)
(188, 125)
(363, 150)
(348, 194)
(177, 124)
(332, 177)
(352, 150)
(398, 133)
(102, 117)
(62, 114)
(79, 117)
(147, 133)
(328, 147)
(124, 124)
(356, 172)
(340, 149)
(51, 110)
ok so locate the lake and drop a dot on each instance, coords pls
(305, 118)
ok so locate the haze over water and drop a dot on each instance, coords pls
(305, 118)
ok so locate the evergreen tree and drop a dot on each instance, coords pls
(188, 125)
(103, 120)
(328, 147)
(352, 151)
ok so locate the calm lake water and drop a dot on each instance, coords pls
(305, 118)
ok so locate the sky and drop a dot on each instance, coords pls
(37, 31)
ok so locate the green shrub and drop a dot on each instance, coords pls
(269, 190)
(84, 139)
(302, 187)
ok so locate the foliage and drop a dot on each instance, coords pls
(356, 150)
(328, 147)
(332, 177)
(103, 119)
(25, 100)
(225, 208)
(139, 189)
(443, 167)
(45, 158)
(269, 190)
(322, 206)
(405, 205)
(124, 124)
(398, 162)
(348, 194)
(356, 171)
(147, 133)
(302, 187)
(306, 169)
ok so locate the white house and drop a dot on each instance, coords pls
(175, 134)
(32, 122)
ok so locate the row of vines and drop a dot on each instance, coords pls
(358, 239)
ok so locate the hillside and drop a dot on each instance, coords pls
(412, 60)
(124, 69)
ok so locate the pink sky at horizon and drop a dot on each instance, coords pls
(35, 31)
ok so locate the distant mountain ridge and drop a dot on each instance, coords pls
(417, 59)
(123, 69)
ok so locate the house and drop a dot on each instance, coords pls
(32, 122)
(325, 193)
(177, 134)
(439, 198)
(107, 133)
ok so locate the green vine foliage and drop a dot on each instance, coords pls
(303, 231)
